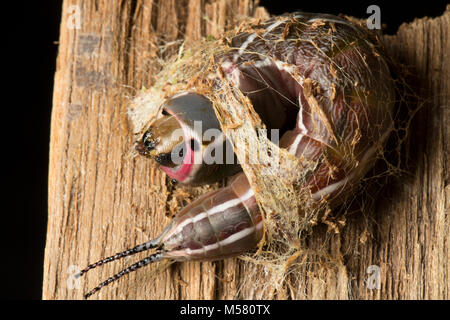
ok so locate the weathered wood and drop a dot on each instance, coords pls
(102, 200)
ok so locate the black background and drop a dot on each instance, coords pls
(29, 43)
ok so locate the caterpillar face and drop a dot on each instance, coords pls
(160, 141)
(187, 142)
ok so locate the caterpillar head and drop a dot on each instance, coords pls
(187, 142)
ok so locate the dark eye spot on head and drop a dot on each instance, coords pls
(194, 145)
(148, 142)
(164, 112)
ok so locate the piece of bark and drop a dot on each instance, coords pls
(102, 200)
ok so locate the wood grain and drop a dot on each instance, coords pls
(102, 200)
